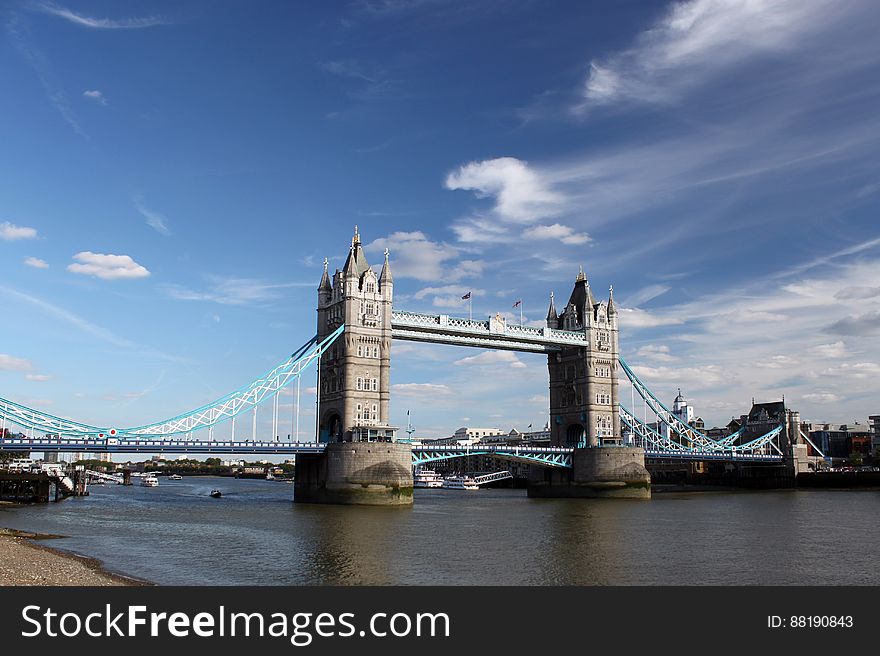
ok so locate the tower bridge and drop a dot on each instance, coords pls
(597, 446)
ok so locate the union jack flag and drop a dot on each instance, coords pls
(518, 303)
(466, 296)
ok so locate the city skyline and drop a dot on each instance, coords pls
(166, 206)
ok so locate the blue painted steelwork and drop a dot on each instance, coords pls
(661, 454)
(544, 456)
(153, 445)
(655, 443)
(206, 416)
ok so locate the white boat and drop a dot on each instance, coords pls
(149, 481)
(460, 483)
(175, 477)
(427, 478)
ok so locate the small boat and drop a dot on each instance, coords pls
(216, 494)
(175, 477)
(149, 481)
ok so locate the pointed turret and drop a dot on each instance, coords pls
(552, 317)
(325, 288)
(611, 309)
(582, 300)
(325, 285)
(385, 275)
(356, 263)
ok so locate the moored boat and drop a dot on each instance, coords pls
(460, 483)
(427, 478)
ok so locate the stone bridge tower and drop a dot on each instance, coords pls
(355, 372)
(583, 380)
(361, 465)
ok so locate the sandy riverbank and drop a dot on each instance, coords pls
(25, 562)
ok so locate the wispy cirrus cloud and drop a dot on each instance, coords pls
(18, 30)
(12, 363)
(234, 291)
(58, 313)
(153, 219)
(81, 20)
(696, 40)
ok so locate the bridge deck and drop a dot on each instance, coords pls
(541, 456)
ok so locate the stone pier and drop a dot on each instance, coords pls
(356, 473)
(597, 472)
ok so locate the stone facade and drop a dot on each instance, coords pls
(357, 473)
(355, 371)
(583, 380)
(610, 472)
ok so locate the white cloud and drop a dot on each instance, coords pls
(636, 318)
(833, 350)
(100, 23)
(36, 262)
(481, 230)
(694, 377)
(107, 266)
(234, 291)
(821, 397)
(10, 363)
(493, 358)
(557, 231)
(857, 292)
(866, 323)
(854, 370)
(656, 352)
(421, 390)
(95, 95)
(38, 378)
(414, 255)
(153, 219)
(12, 232)
(645, 294)
(448, 296)
(521, 194)
(696, 40)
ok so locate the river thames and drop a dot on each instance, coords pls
(255, 535)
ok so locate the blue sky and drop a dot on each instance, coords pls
(172, 175)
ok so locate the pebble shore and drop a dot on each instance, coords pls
(25, 562)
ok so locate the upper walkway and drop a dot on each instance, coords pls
(495, 333)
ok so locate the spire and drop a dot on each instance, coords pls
(325, 280)
(611, 308)
(356, 263)
(581, 275)
(552, 317)
(385, 276)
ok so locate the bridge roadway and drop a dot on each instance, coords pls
(542, 456)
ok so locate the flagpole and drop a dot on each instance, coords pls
(470, 306)
(520, 313)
